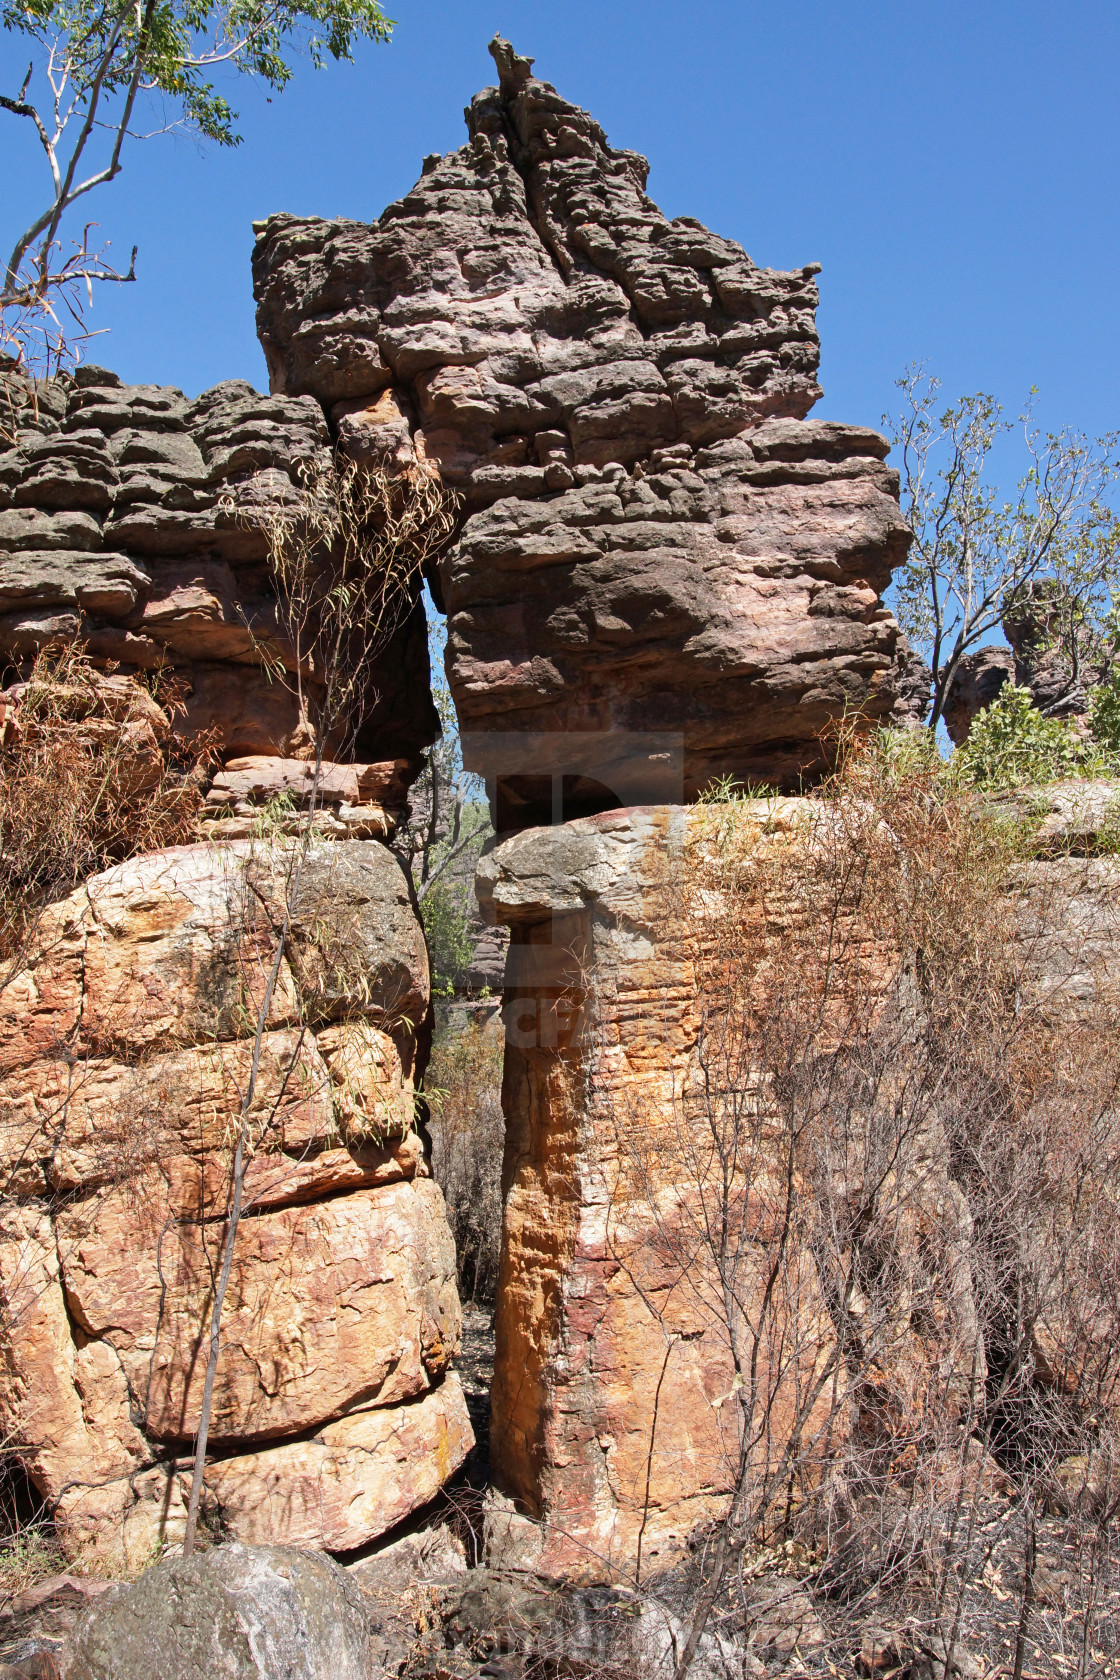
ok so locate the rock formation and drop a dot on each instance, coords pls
(1052, 651)
(127, 523)
(666, 573)
(126, 1039)
(976, 682)
(611, 1371)
(611, 1427)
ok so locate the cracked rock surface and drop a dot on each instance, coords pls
(126, 1041)
(126, 523)
(656, 539)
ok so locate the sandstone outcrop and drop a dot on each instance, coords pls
(126, 1042)
(127, 522)
(976, 683)
(611, 1423)
(613, 1365)
(1050, 652)
(666, 573)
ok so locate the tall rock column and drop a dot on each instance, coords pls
(656, 541)
(616, 1424)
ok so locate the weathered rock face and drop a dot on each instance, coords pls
(245, 1613)
(126, 522)
(657, 540)
(978, 679)
(613, 1360)
(1040, 656)
(126, 1042)
(624, 1095)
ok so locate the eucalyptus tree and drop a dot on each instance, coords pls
(105, 72)
(977, 556)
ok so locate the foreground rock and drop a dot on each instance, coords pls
(610, 1425)
(659, 543)
(125, 1045)
(239, 1613)
(614, 1403)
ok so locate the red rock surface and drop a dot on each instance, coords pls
(657, 541)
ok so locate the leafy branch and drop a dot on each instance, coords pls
(93, 62)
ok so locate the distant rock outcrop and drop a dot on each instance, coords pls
(976, 683)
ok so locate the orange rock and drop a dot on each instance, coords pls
(331, 1305)
(126, 1048)
(616, 1410)
(356, 1472)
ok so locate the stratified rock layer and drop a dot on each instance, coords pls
(126, 1042)
(128, 521)
(657, 540)
(610, 1424)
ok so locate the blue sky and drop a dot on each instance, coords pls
(952, 165)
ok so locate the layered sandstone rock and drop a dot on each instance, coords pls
(658, 544)
(129, 521)
(626, 1097)
(978, 680)
(126, 1044)
(614, 1400)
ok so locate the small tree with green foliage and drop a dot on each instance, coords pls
(95, 66)
(1011, 744)
(975, 554)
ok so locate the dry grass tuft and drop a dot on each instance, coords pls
(90, 773)
(463, 1086)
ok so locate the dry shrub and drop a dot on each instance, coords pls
(887, 1179)
(464, 1089)
(90, 773)
(347, 559)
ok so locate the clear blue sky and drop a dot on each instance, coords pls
(952, 163)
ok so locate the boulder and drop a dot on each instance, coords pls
(238, 1612)
(976, 682)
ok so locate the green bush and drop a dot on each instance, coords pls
(445, 913)
(1011, 744)
(1104, 712)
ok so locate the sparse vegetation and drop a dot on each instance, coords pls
(978, 554)
(887, 1181)
(90, 773)
(464, 1086)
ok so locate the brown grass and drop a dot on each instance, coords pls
(888, 1180)
(463, 1085)
(90, 774)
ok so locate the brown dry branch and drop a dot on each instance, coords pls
(348, 562)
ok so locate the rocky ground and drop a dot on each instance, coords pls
(434, 1613)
